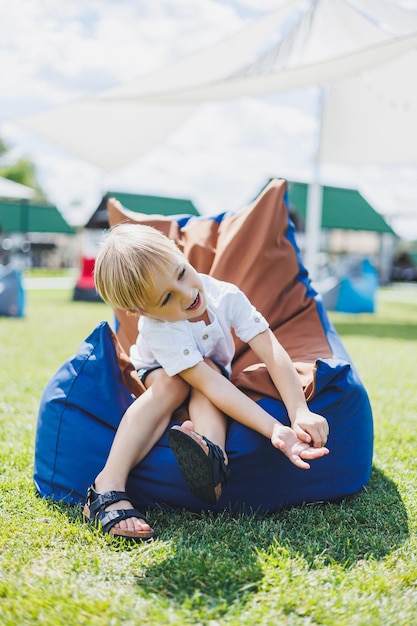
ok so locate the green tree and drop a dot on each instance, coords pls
(3, 147)
(22, 171)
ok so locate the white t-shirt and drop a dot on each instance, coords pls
(177, 346)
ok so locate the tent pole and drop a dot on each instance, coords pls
(314, 207)
(313, 228)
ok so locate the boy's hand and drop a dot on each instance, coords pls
(311, 428)
(286, 440)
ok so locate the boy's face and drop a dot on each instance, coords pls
(179, 294)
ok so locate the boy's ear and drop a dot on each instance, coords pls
(133, 313)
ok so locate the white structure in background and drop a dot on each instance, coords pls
(9, 190)
(360, 54)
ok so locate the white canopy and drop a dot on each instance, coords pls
(367, 54)
(116, 126)
(361, 53)
(10, 189)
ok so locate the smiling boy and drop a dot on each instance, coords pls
(183, 353)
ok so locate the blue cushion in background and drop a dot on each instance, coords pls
(12, 293)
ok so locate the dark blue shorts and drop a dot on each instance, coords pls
(143, 372)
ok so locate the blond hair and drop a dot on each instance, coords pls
(128, 260)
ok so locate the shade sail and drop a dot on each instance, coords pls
(361, 56)
(32, 218)
(342, 209)
(114, 127)
(365, 56)
(366, 59)
(249, 82)
(372, 118)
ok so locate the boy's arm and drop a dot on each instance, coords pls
(228, 398)
(308, 426)
(234, 403)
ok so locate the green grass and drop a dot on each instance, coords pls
(351, 563)
(48, 272)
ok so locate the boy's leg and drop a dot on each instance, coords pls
(140, 428)
(206, 420)
(204, 466)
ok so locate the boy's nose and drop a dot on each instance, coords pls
(188, 297)
(185, 293)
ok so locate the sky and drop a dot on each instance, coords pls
(53, 52)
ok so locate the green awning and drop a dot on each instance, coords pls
(139, 203)
(342, 208)
(24, 217)
(413, 257)
(155, 204)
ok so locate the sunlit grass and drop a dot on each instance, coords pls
(351, 563)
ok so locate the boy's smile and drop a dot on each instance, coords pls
(196, 304)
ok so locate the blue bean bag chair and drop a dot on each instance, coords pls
(12, 293)
(84, 401)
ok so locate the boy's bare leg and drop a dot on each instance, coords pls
(206, 419)
(141, 427)
(201, 466)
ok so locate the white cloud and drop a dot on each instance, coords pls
(54, 50)
(60, 51)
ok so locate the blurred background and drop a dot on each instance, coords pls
(179, 107)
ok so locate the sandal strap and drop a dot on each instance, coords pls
(108, 519)
(202, 464)
(99, 501)
(221, 471)
(95, 511)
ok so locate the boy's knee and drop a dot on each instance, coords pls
(172, 387)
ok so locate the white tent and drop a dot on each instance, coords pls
(116, 126)
(9, 189)
(360, 53)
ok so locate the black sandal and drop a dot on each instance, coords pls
(204, 473)
(95, 511)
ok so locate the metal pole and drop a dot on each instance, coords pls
(314, 203)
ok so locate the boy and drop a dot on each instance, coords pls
(184, 351)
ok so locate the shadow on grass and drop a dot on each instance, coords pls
(219, 560)
(369, 525)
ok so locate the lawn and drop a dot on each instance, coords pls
(351, 563)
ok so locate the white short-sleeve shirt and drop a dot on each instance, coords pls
(177, 346)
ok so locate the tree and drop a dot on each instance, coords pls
(3, 147)
(22, 171)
